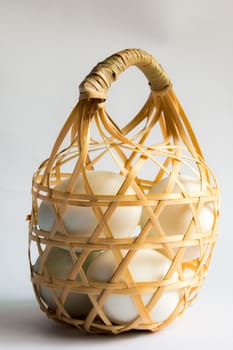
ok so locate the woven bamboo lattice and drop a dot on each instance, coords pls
(157, 143)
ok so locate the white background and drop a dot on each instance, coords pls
(47, 47)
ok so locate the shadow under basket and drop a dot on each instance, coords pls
(162, 207)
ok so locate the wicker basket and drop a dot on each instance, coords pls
(157, 143)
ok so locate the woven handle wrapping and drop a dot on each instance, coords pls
(97, 83)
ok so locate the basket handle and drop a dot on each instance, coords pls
(97, 83)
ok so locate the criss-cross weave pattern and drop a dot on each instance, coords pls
(157, 143)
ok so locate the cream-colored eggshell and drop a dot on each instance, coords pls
(146, 265)
(175, 219)
(82, 220)
(59, 265)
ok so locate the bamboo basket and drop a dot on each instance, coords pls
(157, 143)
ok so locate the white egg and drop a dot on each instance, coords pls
(175, 219)
(146, 265)
(82, 220)
(59, 264)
